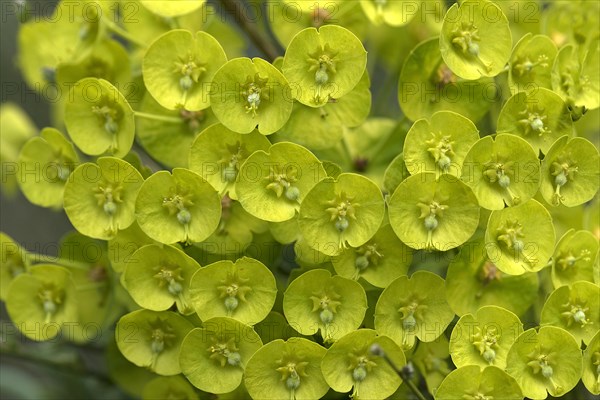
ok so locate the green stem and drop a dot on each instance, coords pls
(44, 258)
(162, 118)
(116, 29)
(414, 389)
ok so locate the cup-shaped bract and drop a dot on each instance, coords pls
(575, 258)
(502, 171)
(165, 387)
(576, 79)
(591, 365)
(14, 261)
(570, 172)
(520, 239)
(323, 127)
(99, 199)
(323, 64)
(172, 8)
(178, 69)
(379, 261)
(158, 276)
(393, 13)
(244, 290)
(41, 301)
(286, 370)
(472, 383)
(429, 213)
(547, 361)
(218, 153)
(484, 339)
(178, 207)
(99, 119)
(539, 116)
(530, 64)
(318, 301)
(475, 40)
(53, 158)
(273, 184)
(213, 358)
(124, 244)
(349, 209)
(575, 308)
(473, 280)
(349, 363)
(247, 93)
(428, 85)
(167, 140)
(439, 143)
(152, 339)
(414, 307)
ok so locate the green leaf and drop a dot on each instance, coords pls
(40, 302)
(99, 119)
(349, 363)
(99, 199)
(244, 290)
(217, 154)
(178, 68)
(323, 64)
(152, 339)
(334, 213)
(53, 158)
(413, 307)
(520, 239)
(549, 360)
(317, 301)
(159, 276)
(286, 370)
(469, 382)
(247, 93)
(178, 207)
(393, 13)
(591, 365)
(484, 339)
(504, 171)
(475, 40)
(274, 183)
(575, 308)
(570, 172)
(428, 85)
(379, 261)
(214, 357)
(429, 213)
(439, 144)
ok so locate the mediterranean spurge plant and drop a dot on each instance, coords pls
(267, 223)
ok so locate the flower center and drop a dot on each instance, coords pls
(486, 342)
(341, 208)
(225, 353)
(50, 298)
(562, 171)
(281, 181)
(254, 91)
(440, 148)
(233, 290)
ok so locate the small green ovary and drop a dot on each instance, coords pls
(440, 148)
(233, 290)
(360, 366)
(162, 336)
(466, 38)
(189, 71)
(486, 342)
(323, 63)
(225, 353)
(412, 309)
(341, 208)
(498, 171)
(541, 363)
(108, 114)
(563, 170)
(326, 303)
(255, 92)
(292, 371)
(430, 211)
(533, 121)
(510, 235)
(567, 260)
(230, 163)
(367, 255)
(50, 298)
(574, 312)
(169, 276)
(178, 203)
(281, 181)
(524, 66)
